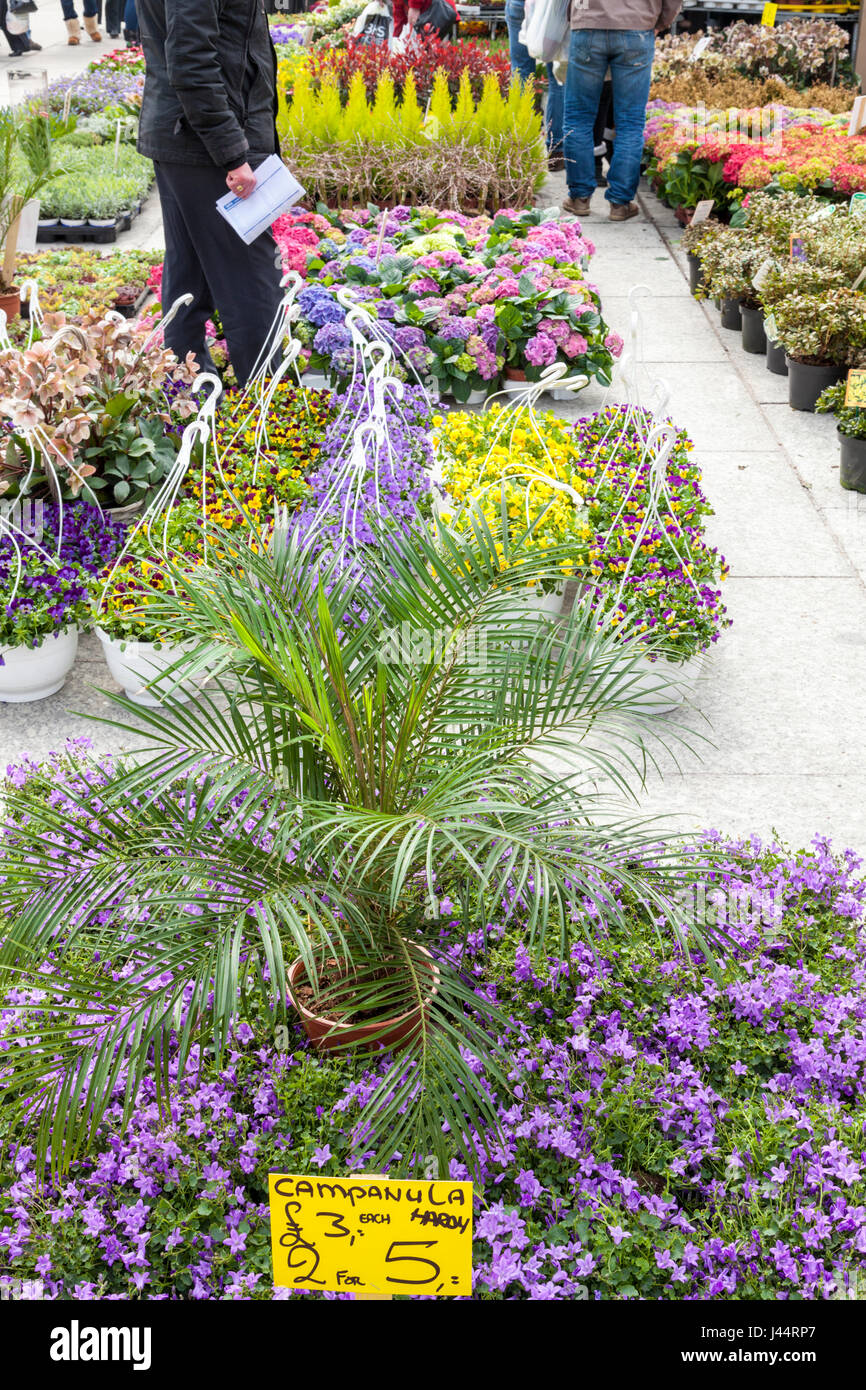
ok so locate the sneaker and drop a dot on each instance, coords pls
(579, 206)
(621, 212)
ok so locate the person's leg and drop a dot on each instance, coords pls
(631, 72)
(182, 273)
(587, 65)
(553, 114)
(68, 8)
(243, 280)
(91, 9)
(114, 17)
(130, 22)
(522, 63)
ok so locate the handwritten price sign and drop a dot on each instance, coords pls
(371, 1235)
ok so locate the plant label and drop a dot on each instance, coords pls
(700, 47)
(820, 213)
(857, 204)
(858, 116)
(855, 388)
(860, 278)
(762, 272)
(798, 249)
(702, 211)
(768, 15)
(371, 1236)
(770, 327)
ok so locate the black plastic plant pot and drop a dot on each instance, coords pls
(731, 316)
(696, 274)
(852, 463)
(806, 381)
(754, 337)
(776, 362)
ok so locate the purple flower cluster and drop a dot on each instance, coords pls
(668, 1134)
(44, 580)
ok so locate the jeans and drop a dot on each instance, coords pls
(205, 257)
(629, 53)
(523, 64)
(130, 17)
(89, 8)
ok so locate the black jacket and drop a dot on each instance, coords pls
(210, 90)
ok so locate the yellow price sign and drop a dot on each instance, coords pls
(855, 388)
(768, 15)
(371, 1235)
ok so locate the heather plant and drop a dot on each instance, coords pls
(828, 328)
(729, 259)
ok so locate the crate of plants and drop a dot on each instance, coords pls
(99, 194)
(77, 280)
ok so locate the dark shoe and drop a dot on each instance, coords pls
(621, 212)
(114, 33)
(600, 180)
(556, 163)
(579, 206)
(33, 47)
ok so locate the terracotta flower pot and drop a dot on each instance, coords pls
(387, 1034)
(10, 303)
(515, 374)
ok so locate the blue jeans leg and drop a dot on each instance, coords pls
(521, 61)
(631, 72)
(554, 113)
(587, 65)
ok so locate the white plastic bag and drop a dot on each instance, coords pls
(545, 27)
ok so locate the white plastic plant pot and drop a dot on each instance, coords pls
(72, 221)
(662, 685)
(477, 397)
(550, 605)
(34, 673)
(135, 664)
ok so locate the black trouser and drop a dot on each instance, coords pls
(205, 257)
(114, 16)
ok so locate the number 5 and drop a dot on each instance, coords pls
(392, 1259)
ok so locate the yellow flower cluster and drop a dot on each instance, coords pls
(498, 458)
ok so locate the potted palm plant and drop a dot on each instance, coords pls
(25, 168)
(378, 738)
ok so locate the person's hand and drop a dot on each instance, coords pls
(241, 181)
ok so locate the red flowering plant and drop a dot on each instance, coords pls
(423, 60)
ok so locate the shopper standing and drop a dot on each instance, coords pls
(114, 17)
(523, 64)
(619, 34)
(90, 9)
(207, 120)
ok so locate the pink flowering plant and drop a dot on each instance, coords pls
(460, 297)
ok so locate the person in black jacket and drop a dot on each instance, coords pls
(208, 119)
